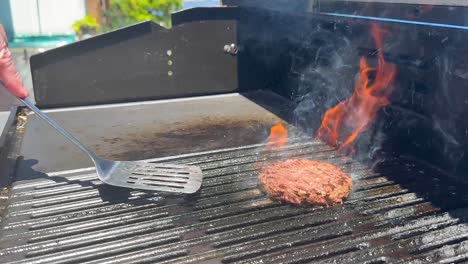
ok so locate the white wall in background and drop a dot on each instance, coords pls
(45, 17)
(24, 16)
(58, 16)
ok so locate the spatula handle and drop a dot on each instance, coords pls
(57, 127)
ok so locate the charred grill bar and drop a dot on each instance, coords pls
(409, 201)
(71, 218)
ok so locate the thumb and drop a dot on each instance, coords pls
(8, 74)
(3, 36)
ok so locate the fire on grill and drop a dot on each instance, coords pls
(357, 107)
(315, 182)
(342, 124)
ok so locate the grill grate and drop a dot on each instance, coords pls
(400, 211)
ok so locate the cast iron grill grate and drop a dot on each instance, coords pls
(399, 211)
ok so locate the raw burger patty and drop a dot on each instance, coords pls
(306, 181)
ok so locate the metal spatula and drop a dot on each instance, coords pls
(135, 174)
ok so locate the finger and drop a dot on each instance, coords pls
(3, 37)
(9, 76)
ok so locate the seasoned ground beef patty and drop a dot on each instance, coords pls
(306, 181)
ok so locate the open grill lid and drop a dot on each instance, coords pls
(293, 54)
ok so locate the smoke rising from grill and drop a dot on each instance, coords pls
(325, 70)
(443, 119)
(329, 78)
(343, 124)
(313, 60)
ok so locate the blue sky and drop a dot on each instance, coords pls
(197, 3)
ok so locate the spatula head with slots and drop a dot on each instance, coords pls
(151, 176)
(132, 174)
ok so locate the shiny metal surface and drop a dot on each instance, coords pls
(62, 131)
(146, 130)
(137, 175)
(395, 214)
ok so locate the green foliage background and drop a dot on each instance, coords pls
(86, 25)
(126, 12)
(123, 13)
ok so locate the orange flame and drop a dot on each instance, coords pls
(278, 136)
(345, 121)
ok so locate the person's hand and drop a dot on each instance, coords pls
(8, 74)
